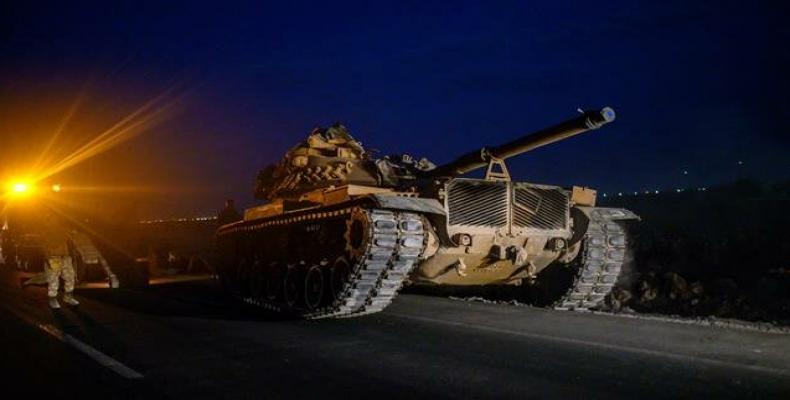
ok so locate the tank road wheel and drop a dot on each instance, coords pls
(224, 277)
(274, 282)
(339, 276)
(257, 281)
(236, 277)
(243, 277)
(313, 287)
(291, 286)
(229, 275)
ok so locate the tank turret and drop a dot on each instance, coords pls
(328, 157)
(331, 157)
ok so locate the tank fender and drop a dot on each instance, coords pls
(582, 215)
(417, 204)
(609, 213)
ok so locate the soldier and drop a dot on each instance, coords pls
(228, 214)
(59, 264)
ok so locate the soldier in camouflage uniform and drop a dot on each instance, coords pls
(59, 265)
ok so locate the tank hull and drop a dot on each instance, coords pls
(351, 257)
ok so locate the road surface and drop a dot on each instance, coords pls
(186, 340)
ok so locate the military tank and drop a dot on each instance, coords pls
(341, 230)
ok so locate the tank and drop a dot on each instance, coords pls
(342, 231)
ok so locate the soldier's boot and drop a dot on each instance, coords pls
(53, 303)
(113, 281)
(70, 300)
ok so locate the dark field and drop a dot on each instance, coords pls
(722, 252)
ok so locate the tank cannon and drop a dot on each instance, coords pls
(588, 120)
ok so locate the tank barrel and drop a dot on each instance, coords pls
(587, 121)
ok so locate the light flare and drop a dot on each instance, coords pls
(90, 231)
(20, 188)
(139, 121)
(45, 156)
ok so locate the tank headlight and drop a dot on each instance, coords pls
(558, 244)
(462, 239)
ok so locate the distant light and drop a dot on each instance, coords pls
(647, 192)
(636, 193)
(620, 194)
(678, 190)
(740, 162)
(685, 172)
(56, 188)
(656, 191)
(604, 195)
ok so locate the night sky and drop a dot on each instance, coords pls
(698, 86)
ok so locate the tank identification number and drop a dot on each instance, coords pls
(312, 227)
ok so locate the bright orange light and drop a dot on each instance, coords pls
(56, 188)
(139, 121)
(20, 188)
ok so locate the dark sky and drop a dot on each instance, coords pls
(697, 86)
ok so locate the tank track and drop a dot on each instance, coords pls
(392, 243)
(603, 255)
(394, 246)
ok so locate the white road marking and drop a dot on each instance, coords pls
(82, 347)
(606, 346)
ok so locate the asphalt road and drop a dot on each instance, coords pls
(188, 341)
